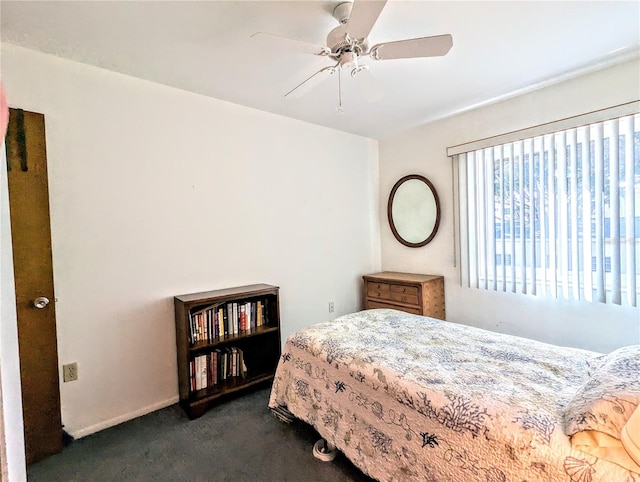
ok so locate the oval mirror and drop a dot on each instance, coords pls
(414, 211)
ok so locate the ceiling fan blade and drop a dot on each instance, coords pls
(412, 48)
(280, 42)
(367, 84)
(364, 14)
(310, 83)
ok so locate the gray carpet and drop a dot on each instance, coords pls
(239, 440)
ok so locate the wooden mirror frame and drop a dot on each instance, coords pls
(392, 224)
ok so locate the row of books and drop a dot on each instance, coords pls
(218, 321)
(211, 369)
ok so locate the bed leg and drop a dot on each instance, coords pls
(323, 450)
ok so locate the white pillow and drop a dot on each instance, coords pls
(609, 397)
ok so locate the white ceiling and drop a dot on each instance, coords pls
(499, 49)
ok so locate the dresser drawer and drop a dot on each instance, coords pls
(405, 294)
(371, 304)
(378, 290)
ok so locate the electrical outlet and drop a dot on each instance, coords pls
(70, 372)
(331, 306)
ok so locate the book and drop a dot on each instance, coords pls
(235, 317)
(196, 372)
(243, 366)
(248, 307)
(259, 313)
(214, 368)
(192, 376)
(218, 362)
(191, 340)
(234, 361)
(203, 371)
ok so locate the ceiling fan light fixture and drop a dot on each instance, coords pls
(359, 69)
(349, 61)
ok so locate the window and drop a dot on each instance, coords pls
(556, 213)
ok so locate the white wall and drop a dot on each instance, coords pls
(157, 192)
(9, 356)
(422, 150)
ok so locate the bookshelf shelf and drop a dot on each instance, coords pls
(230, 339)
(229, 386)
(227, 341)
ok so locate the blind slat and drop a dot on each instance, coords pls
(563, 222)
(629, 210)
(492, 271)
(614, 211)
(586, 213)
(482, 223)
(523, 247)
(575, 272)
(472, 213)
(491, 218)
(532, 216)
(598, 159)
(547, 144)
(463, 219)
(551, 189)
(503, 251)
(512, 218)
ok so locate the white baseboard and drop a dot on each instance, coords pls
(123, 418)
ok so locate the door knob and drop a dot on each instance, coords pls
(41, 302)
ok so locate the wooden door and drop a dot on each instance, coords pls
(33, 269)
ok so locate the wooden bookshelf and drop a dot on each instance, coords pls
(254, 341)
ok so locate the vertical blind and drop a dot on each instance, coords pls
(555, 214)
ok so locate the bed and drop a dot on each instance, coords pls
(406, 397)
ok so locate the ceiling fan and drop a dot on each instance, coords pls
(348, 44)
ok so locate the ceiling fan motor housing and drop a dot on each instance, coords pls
(338, 41)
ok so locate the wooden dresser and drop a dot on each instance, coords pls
(420, 294)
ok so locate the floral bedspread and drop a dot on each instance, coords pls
(406, 397)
